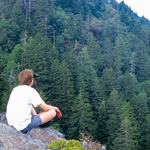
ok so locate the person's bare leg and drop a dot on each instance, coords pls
(47, 116)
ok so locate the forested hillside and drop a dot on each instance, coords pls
(93, 57)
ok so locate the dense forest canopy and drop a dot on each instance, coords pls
(93, 57)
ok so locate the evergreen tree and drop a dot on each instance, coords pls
(60, 91)
(3, 85)
(108, 53)
(17, 14)
(82, 116)
(66, 95)
(109, 80)
(101, 129)
(41, 17)
(113, 105)
(52, 80)
(120, 56)
(95, 53)
(128, 86)
(127, 136)
(143, 63)
(36, 57)
(140, 107)
(146, 86)
(8, 35)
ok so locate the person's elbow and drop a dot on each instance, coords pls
(44, 107)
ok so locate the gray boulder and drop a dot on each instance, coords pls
(37, 138)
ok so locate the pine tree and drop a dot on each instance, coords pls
(95, 54)
(17, 14)
(41, 10)
(128, 86)
(60, 91)
(82, 117)
(3, 84)
(113, 105)
(66, 95)
(143, 63)
(101, 129)
(140, 107)
(108, 53)
(146, 87)
(120, 56)
(84, 114)
(109, 80)
(127, 136)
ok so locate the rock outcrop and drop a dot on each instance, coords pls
(37, 138)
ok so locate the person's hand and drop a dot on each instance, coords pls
(58, 112)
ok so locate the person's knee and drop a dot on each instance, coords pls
(47, 116)
(52, 112)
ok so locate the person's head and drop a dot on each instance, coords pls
(26, 77)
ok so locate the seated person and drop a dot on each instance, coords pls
(20, 111)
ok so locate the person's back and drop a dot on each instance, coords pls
(19, 106)
(20, 111)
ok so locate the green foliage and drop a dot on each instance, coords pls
(65, 145)
(113, 105)
(127, 136)
(129, 86)
(109, 81)
(142, 116)
(93, 57)
(3, 85)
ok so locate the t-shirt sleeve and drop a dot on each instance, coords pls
(36, 98)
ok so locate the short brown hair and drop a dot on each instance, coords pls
(25, 77)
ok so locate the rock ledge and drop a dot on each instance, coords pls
(37, 138)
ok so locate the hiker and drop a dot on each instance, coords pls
(20, 111)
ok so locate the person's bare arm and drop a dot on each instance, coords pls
(46, 107)
(33, 111)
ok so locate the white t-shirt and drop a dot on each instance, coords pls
(19, 106)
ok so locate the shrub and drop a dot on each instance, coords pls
(65, 145)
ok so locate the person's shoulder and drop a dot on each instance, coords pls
(25, 88)
(16, 88)
(22, 88)
(32, 89)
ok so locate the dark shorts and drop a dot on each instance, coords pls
(35, 122)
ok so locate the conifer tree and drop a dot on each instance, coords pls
(120, 56)
(113, 105)
(3, 85)
(127, 136)
(17, 14)
(128, 86)
(109, 80)
(41, 17)
(125, 139)
(108, 53)
(146, 87)
(143, 63)
(82, 116)
(101, 129)
(66, 95)
(82, 109)
(140, 107)
(36, 57)
(60, 91)
(95, 54)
